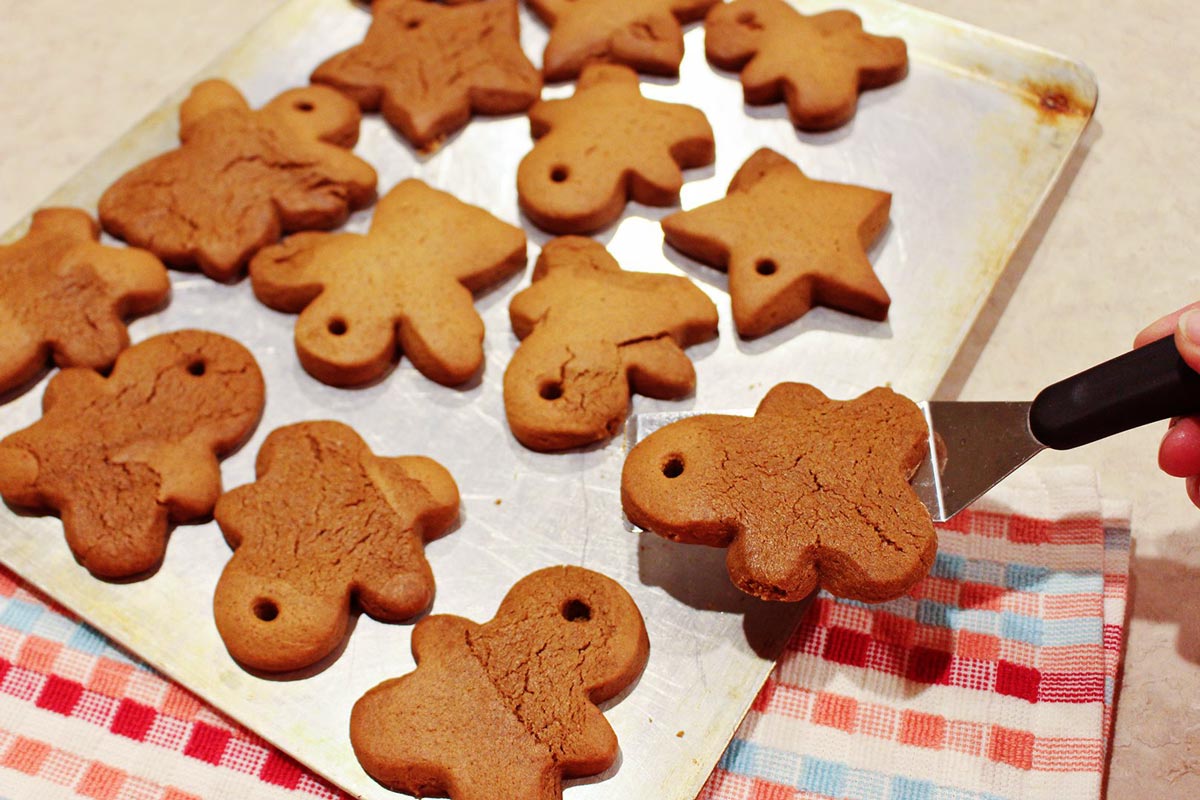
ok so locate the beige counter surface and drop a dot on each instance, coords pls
(1112, 250)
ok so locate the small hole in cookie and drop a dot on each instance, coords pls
(196, 368)
(766, 267)
(745, 18)
(304, 105)
(559, 174)
(338, 327)
(673, 468)
(413, 24)
(576, 611)
(551, 390)
(266, 610)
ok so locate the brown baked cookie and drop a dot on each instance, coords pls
(808, 492)
(789, 243)
(63, 296)
(605, 146)
(122, 457)
(643, 34)
(408, 281)
(428, 66)
(240, 178)
(325, 521)
(506, 709)
(591, 333)
(816, 64)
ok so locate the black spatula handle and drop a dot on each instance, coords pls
(1141, 386)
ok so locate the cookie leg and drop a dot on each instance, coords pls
(21, 355)
(658, 368)
(117, 529)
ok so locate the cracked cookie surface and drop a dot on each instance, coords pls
(788, 243)
(604, 146)
(241, 178)
(63, 296)
(816, 64)
(428, 66)
(643, 34)
(325, 521)
(592, 332)
(505, 709)
(121, 457)
(808, 492)
(407, 282)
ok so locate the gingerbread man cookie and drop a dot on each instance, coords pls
(63, 296)
(592, 332)
(505, 710)
(325, 521)
(408, 281)
(816, 64)
(789, 243)
(603, 146)
(643, 34)
(241, 178)
(122, 457)
(808, 492)
(428, 66)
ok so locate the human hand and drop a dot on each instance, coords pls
(1179, 453)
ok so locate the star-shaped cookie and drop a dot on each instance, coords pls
(428, 66)
(816, 64)
(643, 34)
(408, 281)
(325, 520)
(504, 710)
(603, 146)
(789, 243)
(591, 333)
(122, 457)
(63, 296)
(808, 492)
(241, 178)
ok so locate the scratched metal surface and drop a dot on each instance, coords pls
(968, 151)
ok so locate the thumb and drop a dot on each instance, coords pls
(1187, 338)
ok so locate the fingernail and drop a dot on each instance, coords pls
(1189, 326)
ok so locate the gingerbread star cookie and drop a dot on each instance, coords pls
(592, 333)
(326, 521)
(506, 709)
(428, 66)
(817, 65)
(241, 178)
(408, 281)
(789, 243)
(643, 34)
(122, 457)
(604, 146)
(808, 492)
(63, 296)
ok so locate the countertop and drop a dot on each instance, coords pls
(1109, 253)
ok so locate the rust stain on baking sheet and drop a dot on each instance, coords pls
(1053, 101)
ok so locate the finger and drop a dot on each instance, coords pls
(1179, 453)
(1187, 338)
(1163, 326)
(1193, 489)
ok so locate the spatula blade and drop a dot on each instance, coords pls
(972, 447)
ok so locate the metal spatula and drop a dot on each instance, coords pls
(974, 445)
(981, 443)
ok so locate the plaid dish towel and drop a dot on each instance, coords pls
(993, 679)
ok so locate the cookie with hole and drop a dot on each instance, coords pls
(789, 243)
(605, 146)
(241, 178)
(809, 492)
(505, 709)
(404, 286)
(326, 524)
(121, 458)
(591, 334)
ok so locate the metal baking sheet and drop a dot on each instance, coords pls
(969, 144)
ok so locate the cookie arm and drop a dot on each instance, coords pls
(443, 335)
(22, 355)
(658, 368)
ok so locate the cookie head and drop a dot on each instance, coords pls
(808, 492)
